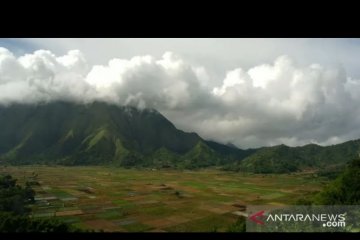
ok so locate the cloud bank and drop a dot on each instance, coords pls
(275, 103)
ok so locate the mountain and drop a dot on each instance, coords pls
(100, 133)
(282, 158)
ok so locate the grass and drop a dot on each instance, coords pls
(113, 214)
(206, 224)
(137, 227)
(60, 193)
(195, 184)
(121, 202)
(70, 219)
(206, 202)
(159, 211)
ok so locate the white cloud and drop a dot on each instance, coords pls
(273, 103)
(42, 76)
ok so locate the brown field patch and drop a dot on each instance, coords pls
(229, 208)
(92, 209)
(161, 187)
(69, 213)
(159, 223)
(75, 193)
(105, 225)
(198, 214)
(146, 202)
(177, 219)
(226, 194)
(157, 230)
(111, 208)
(178, 203)
(217, 210)
(145, 218)
(134, 198)
(190, 189)
(276, 204)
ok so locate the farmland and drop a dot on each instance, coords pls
(137, 200)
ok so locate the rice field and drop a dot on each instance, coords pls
(131, 200)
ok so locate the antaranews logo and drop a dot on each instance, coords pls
(256, 217)
(302, 218)
(328, 220)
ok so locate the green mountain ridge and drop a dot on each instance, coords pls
(283, 159)
(95, 134)
(99, 133)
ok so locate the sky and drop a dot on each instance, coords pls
(249, 92)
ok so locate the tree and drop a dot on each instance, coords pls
(238, 226)
(345, 189)
(14, 210)
(15, 198)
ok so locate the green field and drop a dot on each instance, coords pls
(116, 199)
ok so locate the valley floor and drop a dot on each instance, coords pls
(116, 199)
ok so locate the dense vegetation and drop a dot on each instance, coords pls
(14, 210)
(345, 189)
(284, 159)
(238, 226)
(14, 198)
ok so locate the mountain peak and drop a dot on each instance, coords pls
(64, 130)
(229, 144)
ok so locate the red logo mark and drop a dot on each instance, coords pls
(255, 217)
